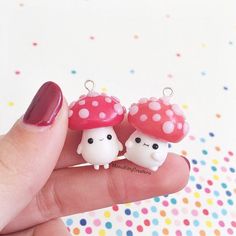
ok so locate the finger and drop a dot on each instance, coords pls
(51, 228)
(30, 150)
(69, 157)
(75, 190)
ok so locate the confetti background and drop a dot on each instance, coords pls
(134, 49)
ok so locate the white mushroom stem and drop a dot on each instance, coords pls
(99, 146)
(146, 151)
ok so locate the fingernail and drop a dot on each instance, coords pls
(189, 166)
(45, 105)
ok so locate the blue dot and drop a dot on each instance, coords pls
(155, 221)
(189, 233)
(202, 140)
(132, 71)
(214, 215)
(211, 134)
(203, 163)
(69, 222)
(173, 201)
(127, 211)
(231, 43)
(154, 233)
(129, 233)
(216, 193)
(196, 223)
(156, 199)
(224, 185)
(204, 152)
(225, 88)
(118, 232)
(228, 193)
(232, 169)
(135, 214)
(73, 72)
(203, 73)
(192, 178)
(214, 168)
(194, 161)
(153, 209)
(230, 202)
(224, 212)
(83, 222)
(166, 195)
(108, 225)
(198, 186)
(169, 145)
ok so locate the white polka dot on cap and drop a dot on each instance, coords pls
(118, 108)
(156, 117)
(84, 113)
(133, 110)
(155, 106)
(143, 117)
(102, 115)
(168, 127)
(95, 103)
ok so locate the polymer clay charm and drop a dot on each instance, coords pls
(96, 114)
(157, 122)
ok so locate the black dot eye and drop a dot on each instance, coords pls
(137, 140)
(90, 140)
(155, 146)
(109, 137)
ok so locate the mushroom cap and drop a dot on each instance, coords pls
(94, 111)
(159, 119)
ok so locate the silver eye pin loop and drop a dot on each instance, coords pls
(89, 85)
(167, 92)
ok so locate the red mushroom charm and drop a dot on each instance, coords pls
(157, 122)
(96, 114)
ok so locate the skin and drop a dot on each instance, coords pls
(103, 139)
(139, 149)
(38, 184)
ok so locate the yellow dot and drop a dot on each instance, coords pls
(104, 89)
(184, 153)
(197, 195)
(185, 200)
(10, 104)
(127, 204)
(107, 214)
(168, 221)
(208, 224)
(209, 201)
(198, 204)
(102, 232)
(76, 231)
(215, 177)
(203, 45)
(185, 106)
(214, 161)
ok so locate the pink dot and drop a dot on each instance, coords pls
(209, 182)
(220, 203)
(233, 223)
(230, 153)
(88, 230)
(165, 203)
(92, 37)
(226, 159)
(191, 137)
(230, 231)
(140, 228)
(205, 212)
(178, 54)
(35, 44)
(187, 190)
(194, 212)
(147, 222)
(175, 212)
(144, 210)
(207, 190)
(115, 208)
(186, 222)
(178, 233)
(223, 169)
(195, 169)
(97, 222)
(221, 223)
(129, 223)
(17, 72)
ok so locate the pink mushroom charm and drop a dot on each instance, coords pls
(96, 114)
(157, 122)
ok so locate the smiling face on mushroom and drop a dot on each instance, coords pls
(146, 151)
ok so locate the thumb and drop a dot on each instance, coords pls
(30, 150)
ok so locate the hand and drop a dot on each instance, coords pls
(38, 184)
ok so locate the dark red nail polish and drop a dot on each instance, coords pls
(189, 166)
(45, 105)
